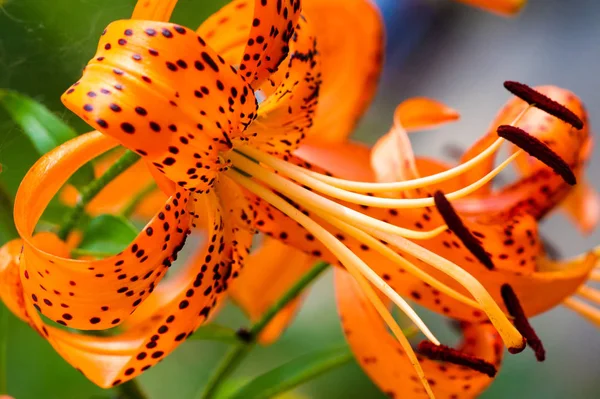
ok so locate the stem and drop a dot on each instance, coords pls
(3, 348)
(90, 191)
(235, 356)
(7, 224)
(130, 390)
(137, 198)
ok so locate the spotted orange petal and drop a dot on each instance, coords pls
(90, 294)
(292, 94)
(101, 294)
(386, 363)
(512, 242)
(502, 7)
(539, 189)
(137, 89)
(11, 289)
(360, 49)
(268, 43)
(269, 273)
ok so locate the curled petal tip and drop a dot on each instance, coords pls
(423, 113)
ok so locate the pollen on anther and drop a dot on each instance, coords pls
(450, 355)
(521, 323)
(537, 149)
(456, 225)
(543, 102)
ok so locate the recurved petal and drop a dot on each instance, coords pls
(360, 50)
(501, 7)
(538, 190)
(11, 289)
(351, 63)
(273, 26)
(270, 272)
(162, 92)
(582, 206)
(286, 115)
(420, 113)
(386, 362)
(392, 157)
(101, 294)
(88, 294)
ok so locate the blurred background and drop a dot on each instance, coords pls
(439, 49)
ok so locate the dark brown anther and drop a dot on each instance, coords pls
(539, 150)
(450, 355)
(544, 103)
(455, 224)
(521, 323)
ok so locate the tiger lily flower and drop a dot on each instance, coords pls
(391, 160)
(188, 103)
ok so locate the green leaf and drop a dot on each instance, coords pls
(106, 235)
(44, 129)
(292, 374)
(215, 332)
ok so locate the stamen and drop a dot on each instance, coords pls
(539, 150)
(456, 225)
(357, 268)
(377, 246)
(510, 335)
(521, 323)
(586, 310)
(589, 293)
(546, 104)
(451, 355)
(302, 177)
(367, 187)
(331, 211)
(343, 253)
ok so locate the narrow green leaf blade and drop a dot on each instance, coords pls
(293, 373)
(107, 235)
(44, 129)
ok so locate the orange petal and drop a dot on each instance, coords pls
(538, 189)
(419, 113)
(11, 289)
(154, 10)
(386, 363)
(273, 27)
(512, 241)
(90, 294)
(138, 85)
(103, 293)
(501, 7)
(392, 156)
(360, 49)
(269, 273)
(582, 206)
(292, 94)
(346, 92)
